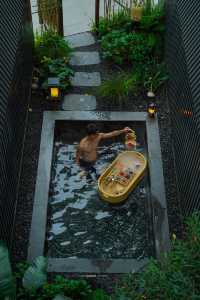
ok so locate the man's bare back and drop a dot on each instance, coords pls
(87, 149)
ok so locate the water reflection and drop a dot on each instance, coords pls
(81, 225)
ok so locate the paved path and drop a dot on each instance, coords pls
(81, 59)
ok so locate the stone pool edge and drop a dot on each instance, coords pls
(157, 194)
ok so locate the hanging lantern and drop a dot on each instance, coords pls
(54, 88)
(152, 109)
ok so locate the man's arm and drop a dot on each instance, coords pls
(114, 133)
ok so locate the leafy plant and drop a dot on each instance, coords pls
(56, 68)
(155, 76)
(7, 283)
(99, 294)
(52, 54)
(118, 88)
(52, 45)
(121, 47)
(35, 276)
(116, 21)
(175, 277)
(76, 289)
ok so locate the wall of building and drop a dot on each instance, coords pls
(15, 77)
(183, 59)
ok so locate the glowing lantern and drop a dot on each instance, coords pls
(54, 88)
(152, 109)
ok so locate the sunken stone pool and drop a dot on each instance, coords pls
(71, 225)
(80, 223)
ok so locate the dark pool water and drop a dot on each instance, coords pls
(81, 224)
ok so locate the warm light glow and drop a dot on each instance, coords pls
(54, 92)
(151, 110)
(187, 113)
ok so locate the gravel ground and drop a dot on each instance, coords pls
(31, 153)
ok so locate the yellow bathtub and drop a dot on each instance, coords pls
(122, 176)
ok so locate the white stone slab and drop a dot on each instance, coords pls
(85, 58)
(86, 79)
(80, 39)
(79, 102)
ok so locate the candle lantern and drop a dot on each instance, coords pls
(54, 88)
(152, 109)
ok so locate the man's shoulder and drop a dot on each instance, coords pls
(100, 135)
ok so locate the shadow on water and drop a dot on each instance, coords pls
(81, 224)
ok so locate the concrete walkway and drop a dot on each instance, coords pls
(82, 79)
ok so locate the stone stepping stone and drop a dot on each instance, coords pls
(86, 79)
(85, 58)
(80, 39)
(79, 102)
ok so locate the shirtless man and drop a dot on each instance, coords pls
(86, 154)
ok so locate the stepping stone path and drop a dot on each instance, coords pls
(76, 101)
(80, 39)
(86, 79)
(85, 58)
(81, 79)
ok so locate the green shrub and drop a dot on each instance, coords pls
(56, 68)
(52, 45)
(75, 289)
(117, 21)
(175, 277)
(121, 47)
(52, 54)
(99, 294)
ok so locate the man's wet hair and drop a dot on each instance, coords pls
(91, 129)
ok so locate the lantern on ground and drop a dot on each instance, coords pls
(152, 109)
(54, 88)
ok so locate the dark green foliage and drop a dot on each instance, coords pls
(149, 77)
(7, 283)
(176, 277)
(118, 88)
(36, 274)
(75, 289)
(99, 294)
(51, 58)
(56, 68)
(50, 44)
(153, 20)
(117, 21)
(155, 76)
(122, 48)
